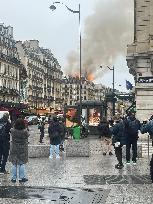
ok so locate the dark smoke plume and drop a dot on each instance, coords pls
(106, 35)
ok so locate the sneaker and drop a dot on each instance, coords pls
(127, 162)
(23, 180)
(50, 157)
(119, 166)
(134, 162)
(58, 157)
(104, 153)
(110, 153)
(13, 180)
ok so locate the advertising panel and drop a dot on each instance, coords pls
(94, 116)
(72, 118)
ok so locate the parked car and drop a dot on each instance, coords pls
(32, 120)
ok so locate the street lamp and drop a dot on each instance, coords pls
(112, 69)
(53, 7)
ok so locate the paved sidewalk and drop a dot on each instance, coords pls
(80, 180)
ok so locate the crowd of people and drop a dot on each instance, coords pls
(14, 143)
(121, 131)
(115, 133)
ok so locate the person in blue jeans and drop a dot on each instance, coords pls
(19, 150)
(54, 131)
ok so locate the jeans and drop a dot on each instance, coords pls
(52, 150)
(118, 153)
(21, 168)
(4, 152)
(134, 149)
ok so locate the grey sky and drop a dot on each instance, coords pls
(58, 30)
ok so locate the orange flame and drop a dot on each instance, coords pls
(90, 77)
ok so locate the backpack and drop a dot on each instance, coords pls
(2, 131)
(133, 127)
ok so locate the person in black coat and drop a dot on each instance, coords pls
(151, 168)
(63, 133)
(118, 140)
(132, 126)
(41, 127)
(105, 134)
(55, 131)
(4, 141)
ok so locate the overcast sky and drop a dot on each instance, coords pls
(58, 31)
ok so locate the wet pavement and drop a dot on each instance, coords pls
(35, 135)
(72, 180)
(58, 195)
(79, 180)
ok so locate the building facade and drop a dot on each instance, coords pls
(42, 89)
(11, 70)
(140, 57)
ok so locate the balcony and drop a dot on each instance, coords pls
(9, 59)
(8, 91)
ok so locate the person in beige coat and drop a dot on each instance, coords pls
(19, 150)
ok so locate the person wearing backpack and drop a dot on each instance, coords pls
(55, 131)
(5, 127)
(132, 126)
(105, 134)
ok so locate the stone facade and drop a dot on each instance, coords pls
(43, 85)
(11, 69)
(140, 57)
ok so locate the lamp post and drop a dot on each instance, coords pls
(113, 69)
(53, 7)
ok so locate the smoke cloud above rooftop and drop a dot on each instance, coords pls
(105, 37)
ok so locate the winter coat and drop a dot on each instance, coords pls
(148, 127)
(63, 131)
(104, 130)
(119, 133)
(19, 146)
(41, 127)
(55, 131)
(5, 138)
(132, 126)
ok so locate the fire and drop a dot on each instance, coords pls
(90, 77)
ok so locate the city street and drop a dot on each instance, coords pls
(79, 180)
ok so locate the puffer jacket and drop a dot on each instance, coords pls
(119, 133)
(104, 130)
(19, 146)
(55, 131)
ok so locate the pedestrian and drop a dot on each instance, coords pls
(54, 131)
(147, 126)
(63, 132)
(132, 127)
(5, 127)
(41, 127)
(119, 139)
(105, 134)
(151, 168)
(19, 150)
